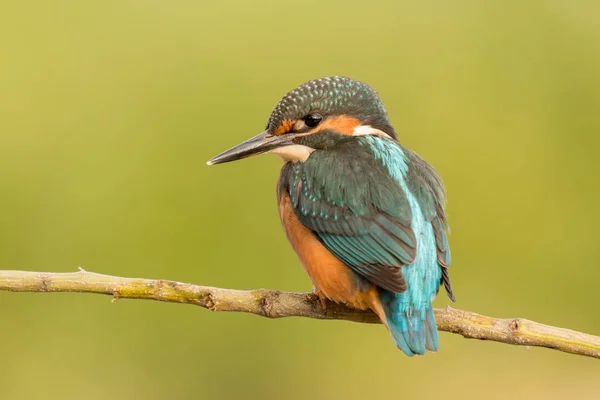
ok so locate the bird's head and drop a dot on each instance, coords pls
(315, 116)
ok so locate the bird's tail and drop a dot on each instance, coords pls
(412, 327)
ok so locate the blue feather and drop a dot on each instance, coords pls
(409, 315)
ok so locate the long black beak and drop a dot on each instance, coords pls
(259, 144)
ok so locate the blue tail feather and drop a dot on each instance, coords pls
(432, 343)
(413, 329)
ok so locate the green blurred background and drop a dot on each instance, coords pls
(109, 110)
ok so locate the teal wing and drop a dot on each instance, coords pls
(361, 215)
(427, 186)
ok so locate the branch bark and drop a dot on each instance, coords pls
(276, 304)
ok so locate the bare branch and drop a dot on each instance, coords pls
(276, 304)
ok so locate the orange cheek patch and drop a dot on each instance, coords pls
(342, 124)
(285, 127)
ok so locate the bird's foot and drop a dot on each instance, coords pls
(317, 295)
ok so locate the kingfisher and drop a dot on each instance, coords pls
(364, 214)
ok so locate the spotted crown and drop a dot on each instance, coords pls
(330, 96)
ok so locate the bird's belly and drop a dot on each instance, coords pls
(330, 276)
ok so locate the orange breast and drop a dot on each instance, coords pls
(331, 277)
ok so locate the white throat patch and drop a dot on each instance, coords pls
(293, 153)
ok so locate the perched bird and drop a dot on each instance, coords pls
(364, 214)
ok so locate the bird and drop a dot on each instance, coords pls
(364, 214)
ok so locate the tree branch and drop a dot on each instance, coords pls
(276, 304)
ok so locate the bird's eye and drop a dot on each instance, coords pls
(313, 120)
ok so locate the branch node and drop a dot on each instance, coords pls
(116, 295)
(210, 301)
(267, 301)
(44, 283)
(514, 325)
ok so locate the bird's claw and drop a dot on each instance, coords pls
(317, 295)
